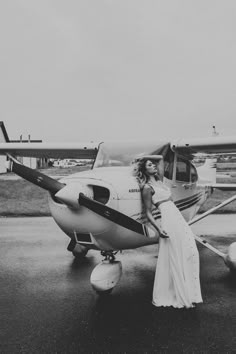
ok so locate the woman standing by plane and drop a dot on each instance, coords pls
(176, 281)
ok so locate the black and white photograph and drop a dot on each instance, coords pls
(117, 176)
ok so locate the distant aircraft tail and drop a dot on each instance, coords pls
(207, 172)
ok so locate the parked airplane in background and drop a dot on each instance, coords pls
(101, 208)
(66, 163)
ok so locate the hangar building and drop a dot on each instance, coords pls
(30, 162)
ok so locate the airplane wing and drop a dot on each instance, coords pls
(51, 150)
(211, 145)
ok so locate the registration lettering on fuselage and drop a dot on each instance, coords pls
(134, 190)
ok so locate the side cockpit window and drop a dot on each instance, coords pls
(182, 170)
(185, 171)
(169, 164)
(193, 174)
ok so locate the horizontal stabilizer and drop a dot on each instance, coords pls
(207, 172)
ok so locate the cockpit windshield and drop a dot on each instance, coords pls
(123, 153)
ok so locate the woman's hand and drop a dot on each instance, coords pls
(163, 234)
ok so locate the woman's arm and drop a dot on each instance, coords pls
(147, 200)
(161, 169)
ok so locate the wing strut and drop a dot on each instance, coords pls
(208, 212)
(210, 247)
(212, 210)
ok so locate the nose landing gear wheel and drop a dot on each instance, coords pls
(106, 274)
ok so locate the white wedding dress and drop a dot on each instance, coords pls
(176, 281)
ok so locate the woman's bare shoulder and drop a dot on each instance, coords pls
(146, 186)
(147, 189)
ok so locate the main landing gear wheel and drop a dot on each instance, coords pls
(81, 254)
(78, 251)
(106, 274)
(230, 258)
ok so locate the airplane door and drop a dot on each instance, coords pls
(183, 187)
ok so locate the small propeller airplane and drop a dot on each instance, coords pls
(102, 209)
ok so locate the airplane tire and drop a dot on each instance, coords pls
(80, 255)
(104, 293)
(233, 272)
(79, 251)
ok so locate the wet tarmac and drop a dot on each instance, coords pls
(47, 304)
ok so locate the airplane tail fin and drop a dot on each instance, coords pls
(207, 172)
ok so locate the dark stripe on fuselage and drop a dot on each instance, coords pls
(183, 204)
(189, 205)
(188, 198)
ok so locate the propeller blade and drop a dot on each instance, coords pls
(35, 177)
(115, 216)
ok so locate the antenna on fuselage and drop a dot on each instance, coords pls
(214, 132)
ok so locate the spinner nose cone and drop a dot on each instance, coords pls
(69, 195)
(230, 258)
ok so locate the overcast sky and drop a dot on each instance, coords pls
(82, 70)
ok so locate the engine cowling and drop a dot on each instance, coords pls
(70, 193)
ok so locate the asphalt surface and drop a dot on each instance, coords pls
(47, 304)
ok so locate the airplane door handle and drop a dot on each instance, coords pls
(187, 185)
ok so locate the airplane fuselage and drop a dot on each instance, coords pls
(118, 189)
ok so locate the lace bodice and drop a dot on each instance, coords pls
(161, 192)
